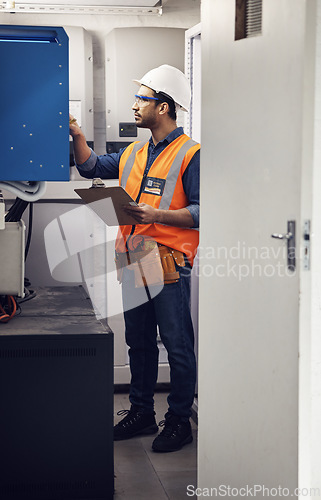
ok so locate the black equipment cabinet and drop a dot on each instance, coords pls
(56, 400)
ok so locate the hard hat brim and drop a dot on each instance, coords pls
(138, 82)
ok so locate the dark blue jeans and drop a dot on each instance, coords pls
(170, 310)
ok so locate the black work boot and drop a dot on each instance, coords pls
(176, 433)
(135, 423)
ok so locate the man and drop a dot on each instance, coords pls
(162, 176)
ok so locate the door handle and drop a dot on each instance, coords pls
(280, 236)
(290, 239)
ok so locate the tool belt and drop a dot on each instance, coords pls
(153, 265)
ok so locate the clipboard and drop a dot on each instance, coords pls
(107, 203)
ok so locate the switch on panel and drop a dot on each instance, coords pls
(127, 130)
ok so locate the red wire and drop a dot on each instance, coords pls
(13, 309)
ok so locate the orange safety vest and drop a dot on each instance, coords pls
(163, 189)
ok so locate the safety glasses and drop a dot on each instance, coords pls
(144, 100)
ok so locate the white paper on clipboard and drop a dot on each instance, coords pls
(108, 203)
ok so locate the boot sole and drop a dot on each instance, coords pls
(152, 429)
(187, 440)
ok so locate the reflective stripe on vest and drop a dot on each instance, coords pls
(130, 163)
(173, 174)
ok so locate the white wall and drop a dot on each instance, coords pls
(130, 53)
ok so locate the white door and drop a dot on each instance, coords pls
(257, 103)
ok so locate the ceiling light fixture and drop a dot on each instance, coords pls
(11, 6)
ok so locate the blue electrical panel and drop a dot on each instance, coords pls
(34, 104)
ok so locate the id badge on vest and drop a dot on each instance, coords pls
(154, 186)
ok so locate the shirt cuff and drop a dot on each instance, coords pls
(194, 210)
(88, 164)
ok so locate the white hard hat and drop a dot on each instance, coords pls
(170, 81)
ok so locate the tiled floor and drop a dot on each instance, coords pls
(143, 474)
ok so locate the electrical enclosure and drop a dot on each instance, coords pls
(12, 248)
(34, 90)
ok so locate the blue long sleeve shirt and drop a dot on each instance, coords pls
(107, 167)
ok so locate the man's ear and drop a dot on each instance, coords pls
(163, 108)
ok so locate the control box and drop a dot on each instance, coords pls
(34, 89)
